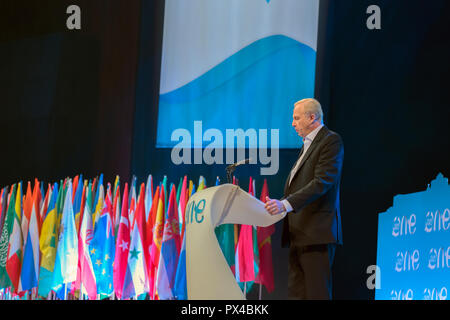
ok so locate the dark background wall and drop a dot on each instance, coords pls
(86, 101)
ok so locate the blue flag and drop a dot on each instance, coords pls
(102, 249)
(180, 287)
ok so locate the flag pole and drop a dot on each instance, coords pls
(260, 291)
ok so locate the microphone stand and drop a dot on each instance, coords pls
(230, 170)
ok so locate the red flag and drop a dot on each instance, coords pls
(27, 205)
(142, 226)
(122, 246)
(265, 276)
(182, 206)
(170, 250)
(244, 252)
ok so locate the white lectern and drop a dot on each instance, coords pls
(208, 275)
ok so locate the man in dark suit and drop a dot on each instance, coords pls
(312, 227)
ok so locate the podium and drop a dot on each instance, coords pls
(208, 275)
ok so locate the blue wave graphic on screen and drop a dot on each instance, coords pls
(254, 88)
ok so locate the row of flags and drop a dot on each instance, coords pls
(78, 240)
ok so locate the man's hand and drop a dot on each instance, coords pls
(274, 206)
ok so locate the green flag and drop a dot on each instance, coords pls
(5, 281)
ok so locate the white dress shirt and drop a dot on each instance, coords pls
(306, 144)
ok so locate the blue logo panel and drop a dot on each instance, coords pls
(413, 250)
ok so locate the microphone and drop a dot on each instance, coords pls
(241, 162)
(230, 169)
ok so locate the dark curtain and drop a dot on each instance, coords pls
(68, 96)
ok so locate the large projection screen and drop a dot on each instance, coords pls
(233, 64)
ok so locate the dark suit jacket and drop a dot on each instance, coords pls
(314, 194)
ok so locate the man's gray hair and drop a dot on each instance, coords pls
(312, 106)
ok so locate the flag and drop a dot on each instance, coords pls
(5, 280)
(47, 244)
(265, 276)
(74, 191)
(180, 286)
(14, 260)
(66, 260)
(225, 237)
(116, 204)
(102, 248)
(26, 212)
(148, 196)
(86, 281)
(97, 189)
(136, 276)
(164, 184)
(132, 201)
(116, 209)
(3, 207)
(2, 210)
(31, 255)
(244, 253)
(191, 188)
(116, 187)
(180, 185)
(77, 198)
(158, 231)
(201, 183)
(44, 206)
(99, 202)
(255, 236)
(170, 250)
(182, 206)
(149, 240)
(122, 247)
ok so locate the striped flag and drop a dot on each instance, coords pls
(170, 250)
